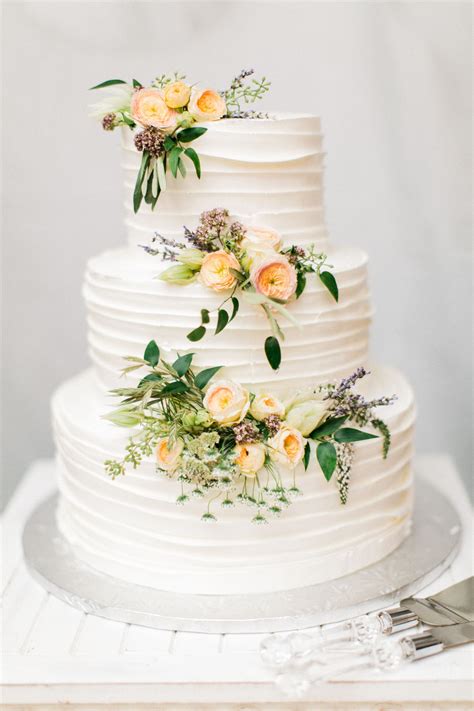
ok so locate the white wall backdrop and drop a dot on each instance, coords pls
(391, 81)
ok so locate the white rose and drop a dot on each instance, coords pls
(260, 243)
(261, 238)
(227, 402)
(287, 446)
(250, 458)
(264, 405)
(306, 416)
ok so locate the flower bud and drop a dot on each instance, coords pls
(203, 419)
(124, 418)
(178, 274)
(192, 258)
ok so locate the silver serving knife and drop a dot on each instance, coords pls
(451, 606)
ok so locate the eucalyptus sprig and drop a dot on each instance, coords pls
(244, 91)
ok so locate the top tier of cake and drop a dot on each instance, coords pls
(266, 171)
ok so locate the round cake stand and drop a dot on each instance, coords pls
(427, 551)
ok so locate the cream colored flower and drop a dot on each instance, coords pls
(206, 105)
(261, 238)
(168, 457)
(191, 257)
(264, 405)
(216, 270)
(148, 108)
(275, 278)
(227, 402)
(287, 446)
(250, 458)
(306, 416)
(177, 94)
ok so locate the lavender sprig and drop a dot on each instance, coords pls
(166, 248)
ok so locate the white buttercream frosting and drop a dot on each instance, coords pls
(128, 306)
(267, 173)
(132, 527)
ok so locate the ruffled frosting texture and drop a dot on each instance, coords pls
(134, 529)
(267, 173)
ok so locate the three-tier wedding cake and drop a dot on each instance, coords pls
(288, 432)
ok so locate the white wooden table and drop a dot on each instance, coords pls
(57, 657)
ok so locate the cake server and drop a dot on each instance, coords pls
(451, 606)
(386, 654)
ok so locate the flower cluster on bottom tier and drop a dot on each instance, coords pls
(132, 528)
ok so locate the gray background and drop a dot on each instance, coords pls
(392, 84)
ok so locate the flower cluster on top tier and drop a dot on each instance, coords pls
(222, 442)
(167, 112)
(229, 257)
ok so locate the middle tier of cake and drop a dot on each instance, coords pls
(128, 306)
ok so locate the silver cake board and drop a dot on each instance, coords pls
(420, 559)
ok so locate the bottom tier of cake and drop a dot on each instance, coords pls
(133, 529)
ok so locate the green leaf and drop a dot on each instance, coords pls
(190, 134)
(197, 334)
(349, 434)
(151, 377)
(169, 144)
(109, 82)
(149, 197)
(205, 316)
(161, 173)
(136, 83)
(175, 387)
(152, 354)
(330, 283)
(202, 378)
(191, 153)
(181, 167)
(130, 122)
(327, 458)
(273, 352)
(235, 308)
(328, 427)
(306, 456)
(174, 159)
(181, 364)
(222, 321)
(300, 284)
(137, 193)
(238, 275)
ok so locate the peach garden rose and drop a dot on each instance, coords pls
(287, 446)
(250, 458)
(216, 271)
(275, 278)
(227, 402)
(148, 108)
(168, 456)
(206, 105)
(177, 94)
(265, 405)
